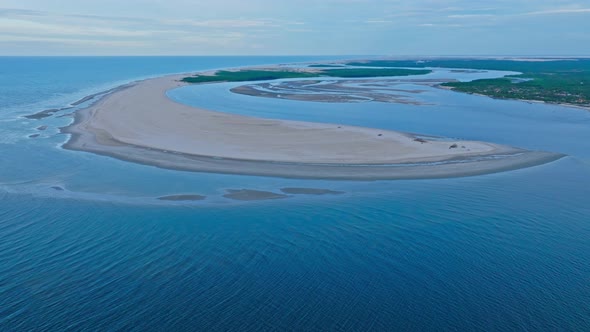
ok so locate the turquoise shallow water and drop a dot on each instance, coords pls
(508, 251)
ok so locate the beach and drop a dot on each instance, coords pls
(139, 123)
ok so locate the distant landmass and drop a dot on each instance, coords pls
(559, 81)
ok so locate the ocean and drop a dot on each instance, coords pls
(499, 252)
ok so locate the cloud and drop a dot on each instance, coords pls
(27, 26)
(226, 23)
(560, 11)
(31, 28)
(302, 26)
(439, 25)
(72, 41)
(469, 16)
(378, 21)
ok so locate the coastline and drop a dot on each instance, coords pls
(585, 108)
(137, 122)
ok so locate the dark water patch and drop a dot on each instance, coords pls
(42, 128)
(50, 112)
(34, 136)
(189, 197)
(94, 95)
(58, 188)
(252, 195)
(85, 99)
(310, 191)
(42, 114)
(45, 113)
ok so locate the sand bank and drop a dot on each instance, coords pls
(139, 123)
(252, 195)
(183, 197)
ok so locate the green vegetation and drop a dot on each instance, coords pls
(325, 66)
(361, 72)
(265, 75)
(246, 75)
(559, 87)
(484, 64)
(564, 81)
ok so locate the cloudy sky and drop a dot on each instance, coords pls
(311, 27)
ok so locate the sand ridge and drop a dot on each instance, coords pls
(140, 123)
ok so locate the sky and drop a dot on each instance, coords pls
(294, 27)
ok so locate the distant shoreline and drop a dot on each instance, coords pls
(139, 123)
(586, 108)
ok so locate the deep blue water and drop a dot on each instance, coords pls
(508, 251)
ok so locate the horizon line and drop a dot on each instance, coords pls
(307, 55)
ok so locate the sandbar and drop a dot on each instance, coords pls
(252, 195)
(184, 197)
(139, 123)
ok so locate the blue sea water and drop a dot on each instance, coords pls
(507, 251)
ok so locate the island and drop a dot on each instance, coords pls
(139, 123)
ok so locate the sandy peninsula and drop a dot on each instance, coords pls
(139, 123)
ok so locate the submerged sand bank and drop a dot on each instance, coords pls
(140, 123)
